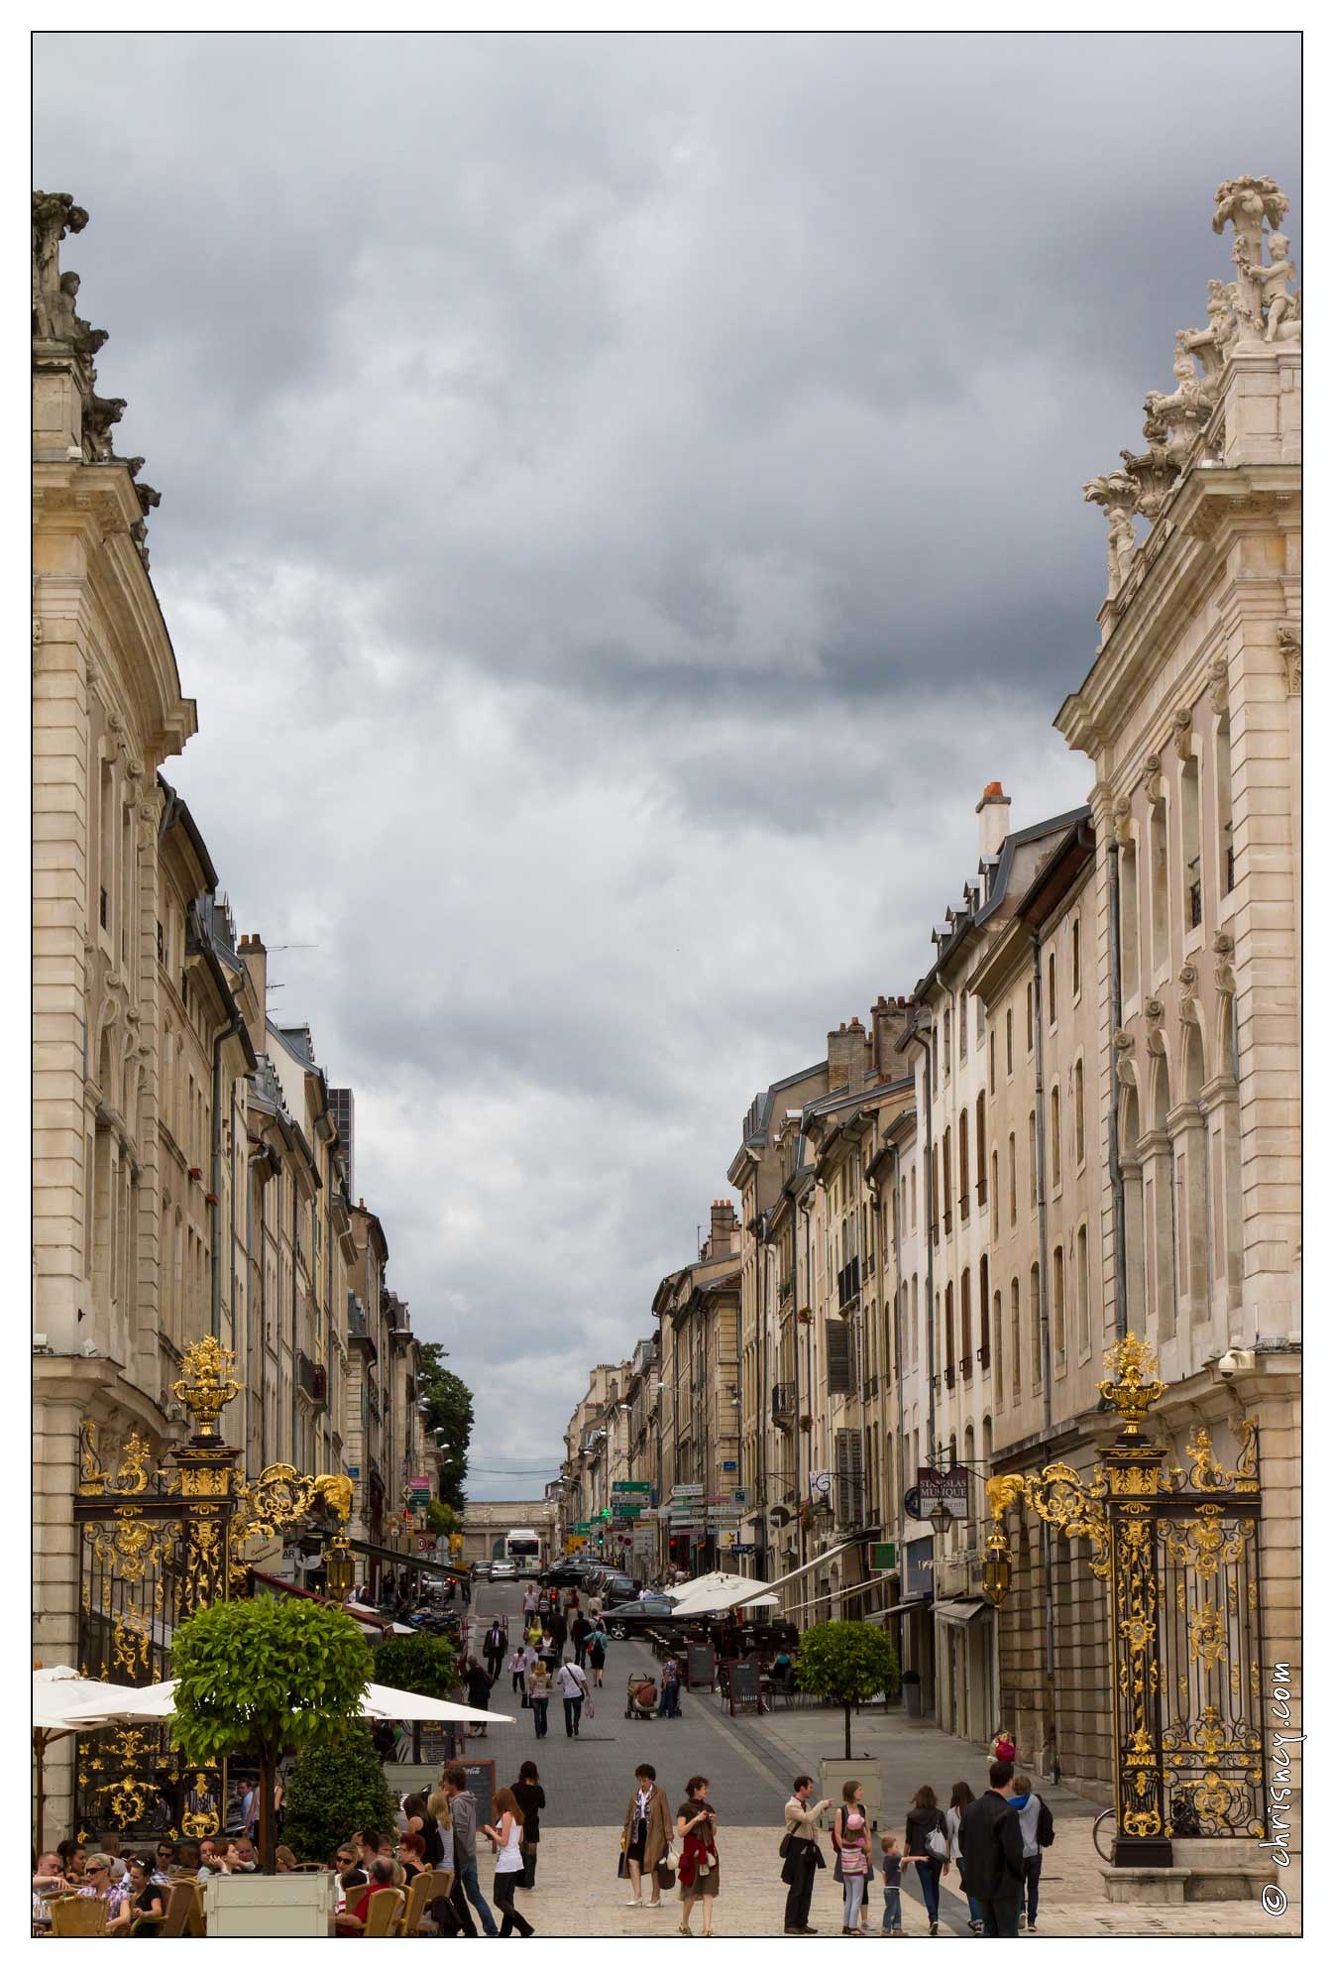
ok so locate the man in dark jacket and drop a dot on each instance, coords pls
(991, 1850)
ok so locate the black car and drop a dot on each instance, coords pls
(561, 1576)
(615, 1587)
(634, 1614)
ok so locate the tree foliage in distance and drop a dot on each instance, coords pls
(333, 1791)
(264, 1675)
(420, 1663)
(442, 1518)
(449, 1407)
(850, 1662)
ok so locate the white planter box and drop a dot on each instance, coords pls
(269, 1904)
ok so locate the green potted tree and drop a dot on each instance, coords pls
(255, 1677)
(422, 1664)
(847, 1661)
(335, 1786)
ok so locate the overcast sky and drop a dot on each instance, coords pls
(621, 501)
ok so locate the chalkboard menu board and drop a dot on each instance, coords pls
(482, 1784)
(743, 1688)
(435, 1743)
(701, 1665)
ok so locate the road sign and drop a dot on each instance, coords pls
(687, 1490)
(730, 1465)
(583, 1527)
(644, 1489)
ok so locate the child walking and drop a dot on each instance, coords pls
(891, 1868)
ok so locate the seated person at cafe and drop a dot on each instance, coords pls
(382, 1877)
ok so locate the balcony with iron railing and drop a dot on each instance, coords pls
(784, 1403)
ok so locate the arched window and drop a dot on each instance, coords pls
(1032, 1159)
(1009, 1039)
(1079, 1112)
(981, 1149)
(995, 1186)
(996, 1329)
(991, 1059)
(1054, 1146)
(1035, 1322)
(1158, 885)
(1051, 988)
(949, 1333)
(1016, 1347)
(1014, 1182)
(963, 1027)
(1076, 980)
(947, 1157)
(1129, 922)
(1082, 1286)
(1058, 1302)
(965, 1202)
(1223, 802)
(1192, 887)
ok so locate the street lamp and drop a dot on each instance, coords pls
(997, 1569)
(339, 1569)
(941, 1518)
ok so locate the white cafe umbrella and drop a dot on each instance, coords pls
(63, 1701)
(717, 1592)
(378, 1703)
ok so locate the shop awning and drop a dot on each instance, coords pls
(959, 1612)
(907, 1606)
(393, 1558)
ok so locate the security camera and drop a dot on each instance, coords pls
(1237, 1360)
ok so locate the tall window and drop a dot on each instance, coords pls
(996, 1329)
(1056, 1138)
(964, 1200)
(1079, 1111)
(935, 1191)
(1014, 1183)
(935, 1059)
(912, 1330)
(983, 1302)
(981, 1020)
(1051, 988)
(1082, 1286)
(963, 1026)
(1058, 1302)
(1016, 1349)
(1028, 1014)
(1035, 1322)
(991, 1060)
(949, 1332)
(947, 1046)
(1223, 802)
(947, 1157)
(1192, 889)
(981, 1149)
(1129, 922)
(913, 1192)
(966, 1321)
(1009, 1039)
(1032, 1159)
(995, 1187)
(1158, 885)
(1075, 979)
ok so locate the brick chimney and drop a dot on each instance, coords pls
(722, 1228)
(888, 1018)
(255, 957)
(848, 1058)
(993, 811)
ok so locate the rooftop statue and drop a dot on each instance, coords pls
(1212, 344)
(1116, 493)
(53, 215)
(1280, 310)
(1186, 410)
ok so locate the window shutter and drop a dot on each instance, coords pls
(838, 1356)
(848, 1475)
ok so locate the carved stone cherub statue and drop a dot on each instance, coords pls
(1274, 302)
(1211, 344)
(1245, 204)
(53, 215)
(1185, 411)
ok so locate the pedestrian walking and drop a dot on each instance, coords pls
(527, 1788)
(991, 1846)
(580, 1629)
(1036, 1824)
(560, 1630)
(479, 1691)
(493, 1647)
(927, 1847)
(891, 1873)
(960, 1799)
(646, 1836)
(669, 1702)
(597, 1652)
(539, 1694)
(506, 1836)
(802, 1858)
(463, 1815)
(529, 1602)
(697, 1870)
(573, 1685)
(517, 1664)
(852, 1837)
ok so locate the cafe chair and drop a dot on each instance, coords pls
(80, 1914)
(429, 1885)
(384, 1913)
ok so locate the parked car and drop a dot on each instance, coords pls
(481, 1569)
(563, 1576)
(632, 1614)
(503, 1569)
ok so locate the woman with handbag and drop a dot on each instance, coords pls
(698, 1871)
(926, 1846)
(646, 1838)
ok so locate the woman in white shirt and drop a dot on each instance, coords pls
(506, 1837)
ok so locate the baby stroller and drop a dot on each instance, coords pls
(641, 1697)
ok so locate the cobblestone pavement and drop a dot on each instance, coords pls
(750, 1763)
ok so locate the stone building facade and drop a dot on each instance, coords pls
(1084, 1121)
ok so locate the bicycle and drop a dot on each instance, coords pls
(1104, 1832)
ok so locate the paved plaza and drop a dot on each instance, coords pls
(750, 1763)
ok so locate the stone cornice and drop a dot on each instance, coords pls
(1208, 509)
(99, 504)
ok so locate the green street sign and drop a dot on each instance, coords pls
(884, 1557)
(582, 1528)
(644, 1488)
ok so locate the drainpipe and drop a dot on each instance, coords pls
(220, 1039)
(1113, 1131)
(925, 1044)
(1040, 1141)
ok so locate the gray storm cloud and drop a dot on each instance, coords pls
(621, 501)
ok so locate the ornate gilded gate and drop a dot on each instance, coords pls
(1180, 1553)
(155, 1545)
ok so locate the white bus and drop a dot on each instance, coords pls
(525, 1548)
